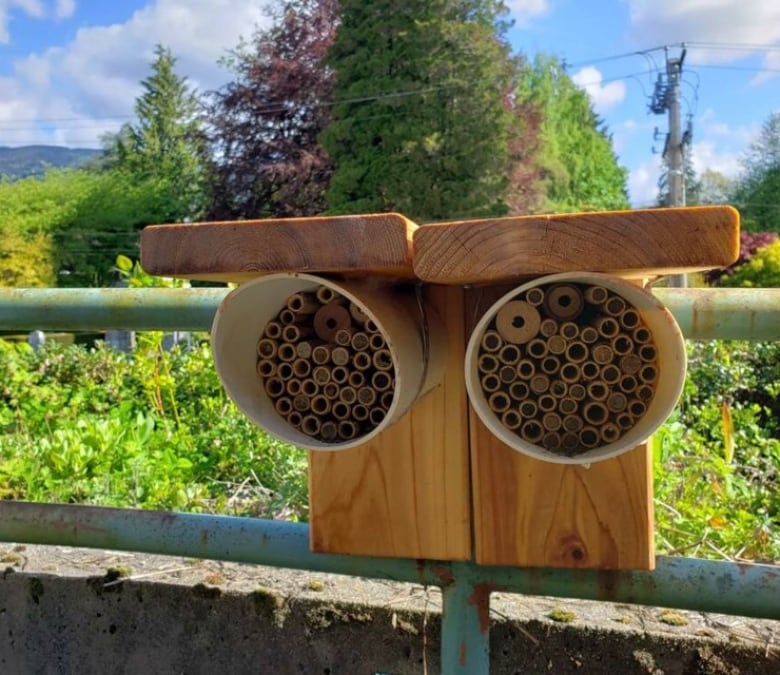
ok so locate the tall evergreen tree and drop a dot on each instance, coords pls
(265, 125)
(579, 168)
(420, 123)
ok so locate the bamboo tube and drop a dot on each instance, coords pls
(624, 421)
(622, 344)
(386, 399)
(325, 294)
(550, 365)
(547, 403)
(273, 330)
(576, 352)
(534, 296)
(519, 390)
(329, 319)
(347, 430)
(376, 416)
(377, 341)
(339, 374)
(286, 352)
(366, 396)
(321, 354)
(509, 355)
(615, 305)
(340, 356)
(330, 391)
(507, 374)
(487, 363)
(567, 406)
(371, 327)
(310, 425)
(321, 375)
(525, 369)
(343, 336)
(596, 295)
(528, 409)
(356, 379)
(570, 442)
(590, 370)
(607, 326)
(490, 382)
(637, 408)
(551, 441)
(589, 335)
(598, 390)
(630, 319)
(548, 327)
(309, 387)
(361, 360)
(358, 313)
(284, 370)
(491, 341)
(301, 403)
(266, 348)
(360, 341)
(611, 374)
(382, 360)
(617, 402)
(648, 374)
(578, 392)
(303, 303)
(517, 322)
(266, 368)
(302, 367)
(359, 412)
(283, 405)
(499, 402)
(532, 431)
(589, 437)
(274, 387)
(552, 421)
(628, 384)
(329, 431)
(536, 348)
(381, 380)
(609, 432)
(642, 335)
(511, 419)
(570, 330)
(294, 333)
(539, 383)
(602, 354)
(320, 405)
(287, 318)
(564, 301)
(340, 410)
(558, 388)
(556, 344)
(294, 419)
(293, 387)
(305, 348)
(648, 352)
(573, 423)
(570, 372)
(630, 364)
(645, 392)
(348, 395)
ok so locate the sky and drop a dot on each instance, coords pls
(70, 69)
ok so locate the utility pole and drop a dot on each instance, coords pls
(666, 99)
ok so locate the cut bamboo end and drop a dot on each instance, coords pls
(362, 361)
(511, 419)
(284, 370)
(330, 319)
(358, 313)
(356, 379)
(266, 348)
(492, 341)
(303, 303)
(273, 330)
(360, 341)
(499, 402)
(548, 327)
(293, 386)
(517, 322)
(564, 301)
(491, 383)
(286, 352)
(266, 368)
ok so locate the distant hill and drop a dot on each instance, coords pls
(33, 160)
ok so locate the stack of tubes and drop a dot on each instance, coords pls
(568, 367)
(326, 366)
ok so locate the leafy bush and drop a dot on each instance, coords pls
(761, 271)
(749, 243)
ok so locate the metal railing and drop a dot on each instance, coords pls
(685, 583)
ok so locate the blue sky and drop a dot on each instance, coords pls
(69, 69)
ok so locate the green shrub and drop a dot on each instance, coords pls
(761, 271)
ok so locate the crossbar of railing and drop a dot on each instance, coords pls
(703, 314)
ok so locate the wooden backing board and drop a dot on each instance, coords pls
(531, 513)
(380, 244)
(642, 243)
(406, 493)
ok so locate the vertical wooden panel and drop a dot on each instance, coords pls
(531, 513)
(406, 493)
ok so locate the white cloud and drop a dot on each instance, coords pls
(707, 154)
(603, 96)
(64, 9)
(30, 7)
(643, 182)
(523, 11)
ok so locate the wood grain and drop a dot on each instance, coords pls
(640, 243)
(531, 513)
(405, 493)
(240, 250)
